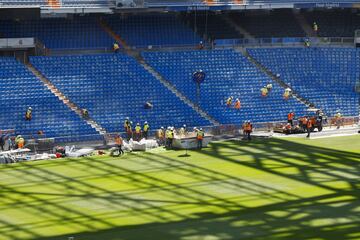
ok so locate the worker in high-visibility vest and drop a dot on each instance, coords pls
(129, 131)
(170, 137)
(126, 124)
(290, 118)
(19, 142)
(28, 114)
(264, 91)
(248, 130)
(146, 129)
(119, 143)
(309, 126)
(161, 136)
(229, 101)
(315, 27)
(137, 132)
(237, 104)
(116, 47)
(199, 137)
(182, 131)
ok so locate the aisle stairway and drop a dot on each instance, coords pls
(65, 100)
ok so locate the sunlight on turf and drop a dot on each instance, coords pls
(273, 188)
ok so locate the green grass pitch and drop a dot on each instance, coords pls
(267, 189)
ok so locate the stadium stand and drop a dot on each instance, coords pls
(265, 24)
(325, 76)
(59, 33)
(335, 23)
(152, 29)
(211, 25)
(114, 86)
(20, 89)
(228, 73)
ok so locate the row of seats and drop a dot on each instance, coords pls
(325, 76)
(49, 114)
(142, 30)
(153, 29)
(228, 73)
(115, 86)
(79, 33)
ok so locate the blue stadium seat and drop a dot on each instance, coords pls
(114, 86)
(325, 76)
(152, 29)
(228, 73)
(78, 33)
(20, 89)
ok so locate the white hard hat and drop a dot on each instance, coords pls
(184, 125)
(30, 108)
(145, 122)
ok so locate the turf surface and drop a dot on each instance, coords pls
(265, 189)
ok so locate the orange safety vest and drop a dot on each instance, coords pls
(200, 135)
(248, 127)
(290, 116)
(237, 105)
(118, 141)
(309, 124)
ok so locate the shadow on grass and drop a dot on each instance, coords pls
(334, 215)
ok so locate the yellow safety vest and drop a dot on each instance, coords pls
(200, 135)
(137, 129)
(146, 127)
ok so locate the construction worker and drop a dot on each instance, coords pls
(129, 131)
(126, 124)
(269, 86)
(237, 104)
(201, 45)
(307, 42)
(170, 137)
(290, 118)
(248, 129)
(146, 129)
(287, 128)
(315, 27)
(116, 47)
(199, 137)
(287, 93)
(167, 134)
(338, 119)
(137, 132)
(309, 126)
(28, 114)
(229, 101)
(119, 143)
(264, 91)
(161, 136)
(85, 113)
(182, 131)
(19, 142)
(304, 122)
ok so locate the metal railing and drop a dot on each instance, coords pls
(285, 42)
